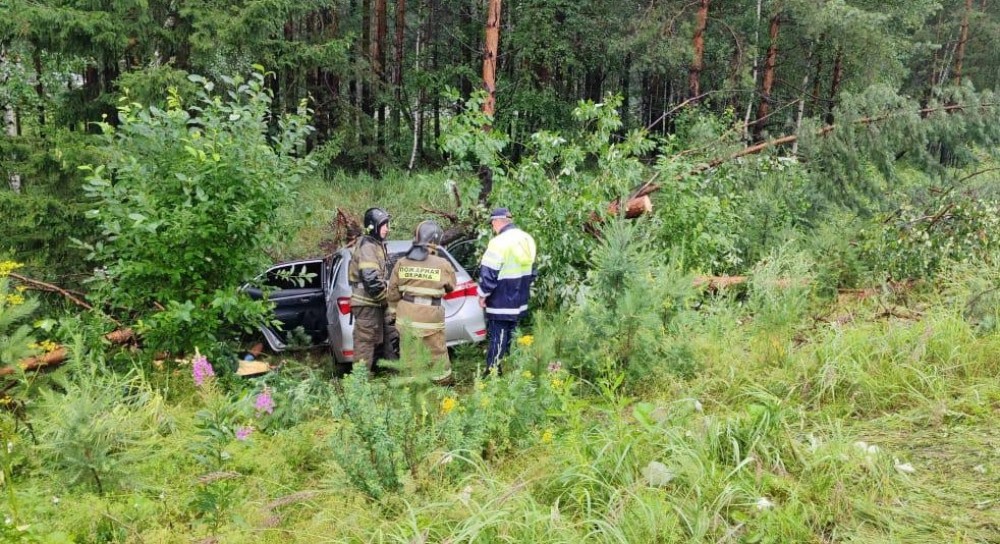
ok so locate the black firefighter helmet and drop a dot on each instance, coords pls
(428, 235)
(374, 219)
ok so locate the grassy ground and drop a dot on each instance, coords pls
(854, 420)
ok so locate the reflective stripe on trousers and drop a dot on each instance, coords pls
(499, 332)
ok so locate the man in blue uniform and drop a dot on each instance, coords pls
(505, 276)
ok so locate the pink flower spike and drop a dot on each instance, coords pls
(242, 433)
(201, 369)
(264, 402)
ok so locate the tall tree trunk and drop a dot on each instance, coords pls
(836, 78)
(418, 106)
(397, 76)
(753, 84)
(435, 96)
(963, 38)
(805, 96)
(11, 130)
(767, 85)
(378, 60)
(490, 56)
(817, 76)
(366, 41)
(36, 59)
(626, 97)
(465, 22)
(698, 43)
(489, 83)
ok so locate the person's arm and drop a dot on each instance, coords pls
(392, 293)
(489, 269)
(371, 272)
(449, 278)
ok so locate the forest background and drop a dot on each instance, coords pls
(839, 156)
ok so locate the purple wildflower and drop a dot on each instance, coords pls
(264, 402)
(201, 369)
(555, 366)
(242, 433)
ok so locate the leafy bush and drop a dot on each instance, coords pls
(916, 239)
(187, 205)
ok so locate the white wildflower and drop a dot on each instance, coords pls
(697, 406)
(465, 495)
(657, 474)
(764, 503)
(55, 500)
(980, 469)
(905, 468)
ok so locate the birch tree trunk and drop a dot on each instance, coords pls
(753, 85)
(9, 121)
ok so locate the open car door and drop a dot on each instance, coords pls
(296, 290)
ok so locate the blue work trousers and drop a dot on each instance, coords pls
(499, 333)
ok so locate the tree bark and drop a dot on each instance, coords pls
(36, 59)
(378, 59)
(490, 56)
(698, 43)
(802, 102)
(397, 76)
(366, 40)
(963, 38)
(767, 85)
(489, 83)
(836, 78)
(753, 85)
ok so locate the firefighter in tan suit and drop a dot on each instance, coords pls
(417, 286)
(367, 275)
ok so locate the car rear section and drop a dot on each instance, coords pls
(464, 319)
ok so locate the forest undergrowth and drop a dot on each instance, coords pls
(649, 411)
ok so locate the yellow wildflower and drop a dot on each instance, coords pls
(527, 374)
(484, 402)
(21, 288)
(6, 267)
(556, 383)
(48, 346)
(526, 340)
(480, 385)
(547, 436)
(448, 404)
(15, 299)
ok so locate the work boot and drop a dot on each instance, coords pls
(444, 380)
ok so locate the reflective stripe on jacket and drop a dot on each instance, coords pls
(416, 288)
(506, 273)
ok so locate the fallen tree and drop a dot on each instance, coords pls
(60, 354)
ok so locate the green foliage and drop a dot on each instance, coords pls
(187, 205)
(405, 433)
(97, 427)
(16, 336)
(918, 238)
(623, 321)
